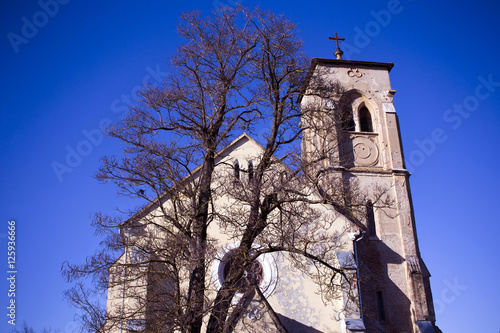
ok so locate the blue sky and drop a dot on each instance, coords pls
(82, 62)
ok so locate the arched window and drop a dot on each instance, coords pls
(365, 120)
(236, 169)
(370, 219)
(250, 170)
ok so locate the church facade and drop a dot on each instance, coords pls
(389, 289)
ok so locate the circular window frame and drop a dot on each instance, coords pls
(267, 261)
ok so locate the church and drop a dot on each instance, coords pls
(375, 250)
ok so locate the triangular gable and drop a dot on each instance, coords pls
(235, 144)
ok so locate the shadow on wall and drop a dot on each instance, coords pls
(294, 326)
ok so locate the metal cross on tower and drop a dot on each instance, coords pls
(338, 53)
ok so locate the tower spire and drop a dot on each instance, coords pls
(338, 52)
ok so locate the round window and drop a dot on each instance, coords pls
(253, 275)
(262, 272)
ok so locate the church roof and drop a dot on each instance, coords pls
(353, 63)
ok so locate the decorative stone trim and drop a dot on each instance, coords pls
(267, 261)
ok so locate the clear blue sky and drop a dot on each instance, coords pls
(78, 65)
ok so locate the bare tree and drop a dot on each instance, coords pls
(25, 328)
(238, 70)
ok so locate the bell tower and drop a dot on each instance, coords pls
(395, 294)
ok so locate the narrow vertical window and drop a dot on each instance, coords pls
(236, 169)
(380, 304)
(365, 120)
(250, 170)
(370, 219)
